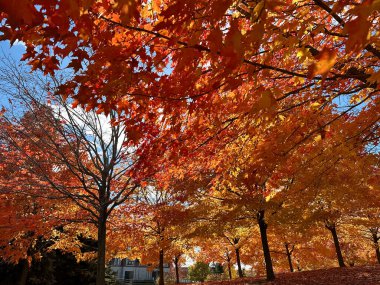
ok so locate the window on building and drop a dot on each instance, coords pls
(128, 275)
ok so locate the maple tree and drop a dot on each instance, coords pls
(220, 225)
(69, 154)
(32, 218)
(158, 216)
(244, 192)
(291, 179)
(217, 250)
(181, 248)
(239, 97)
(366, 223)
(337, 195)
(286, 241)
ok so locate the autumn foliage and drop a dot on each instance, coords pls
(257, 121)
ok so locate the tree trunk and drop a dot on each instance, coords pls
(289, 255)
(378, 253)
(240, 271)
(24, 268)
(332, 229)
(101, 260)
(264, 240)
(161, 267)
(375, 239)
(228, 264)
(298, 265)
(176, 260)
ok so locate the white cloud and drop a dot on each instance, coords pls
(19, 43)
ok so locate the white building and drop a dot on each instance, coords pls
(132, 272)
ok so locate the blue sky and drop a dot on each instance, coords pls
(6, 50)
(15, 51)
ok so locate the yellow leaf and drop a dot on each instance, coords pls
(315, 105)
(324, 61)
(258, 9)
(300, 53)
(156, 5)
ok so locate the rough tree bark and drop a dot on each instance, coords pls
(238, 262)
(332, 228)
(240, 271)
(264, 240)
(375, 239)
(228, 257)
(161, 268)
(289, 256)
(176, 260)
(101, 260)
(24, 269)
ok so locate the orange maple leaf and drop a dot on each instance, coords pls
(358, 31)
(324, 61)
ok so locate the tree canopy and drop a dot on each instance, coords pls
(241, 119)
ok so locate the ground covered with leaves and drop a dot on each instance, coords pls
(358, 275)
(365, 275)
